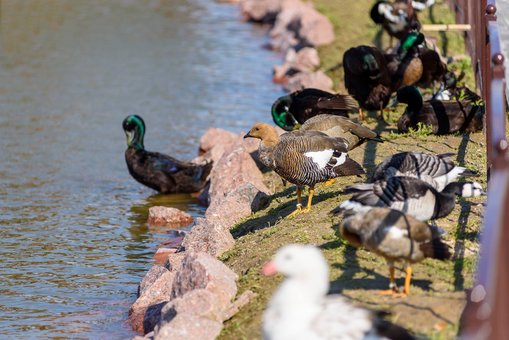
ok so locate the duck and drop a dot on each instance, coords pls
(289, 111)
(436, 170)
(433, 68)
(336, 126)
(421, 5)
(444, 117)
(367, 77)
(396, 237)
(304, 158)
(301, 307)
(409, 195)
(158, 171)
(405, 66)
(397, 18)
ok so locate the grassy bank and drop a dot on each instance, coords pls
(437, 296)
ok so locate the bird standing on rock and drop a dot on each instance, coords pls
(304, 158)
(396, 237)
(159, 171)
(294, 109)
(300, 309)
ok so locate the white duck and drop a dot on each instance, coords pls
(301, 309)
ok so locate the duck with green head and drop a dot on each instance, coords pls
(292, 110)
(405, 67)
(159, 171)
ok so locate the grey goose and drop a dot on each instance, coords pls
(396, 237)
(409, 195)
(301, 309)
(436, 170)
(338, 126)
(304, 158)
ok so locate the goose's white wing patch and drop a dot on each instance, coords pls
(321, 158)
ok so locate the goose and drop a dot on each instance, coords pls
(337, 126)
(409, 195)
(289, 111)
(443, 116)
(300, 308)
(304, 158)
(396, 237)
(367, 77)
(159, 171)
(436, 170)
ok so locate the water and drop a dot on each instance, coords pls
(72, 221)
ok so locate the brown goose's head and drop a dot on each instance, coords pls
(267, 133)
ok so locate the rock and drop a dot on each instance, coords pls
(189, 327)
(154, 273)
(213, 144)
(162, 254)
(159, 215)
(306, 60)
(234, 169)
(303, 80)
(202, 271)
(260, 10)
(245, 199)
(240, 302)
(208, 237)
(145, 313)
(174, 261)
(315, 29)
(200, 302)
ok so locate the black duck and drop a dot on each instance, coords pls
(294, 109)
(443, 116)
(156, 170)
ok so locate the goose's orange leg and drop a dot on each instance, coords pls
(299, 204)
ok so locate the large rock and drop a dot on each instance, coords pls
(155, 290)
(315, 29)
(189, 327)
(305, 60)
(302, 80)
(213, 144)
(159, 215)
(234, 169)
(260, 10)
(209, 237)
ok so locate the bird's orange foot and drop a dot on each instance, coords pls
(329, 182)
(297, 211)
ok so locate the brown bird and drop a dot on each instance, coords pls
(304, 158)
(444, 116)
(337, 126)
(396, 237)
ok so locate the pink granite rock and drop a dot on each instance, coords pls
(188, 326)
(159, 215)
(213, 144)
(260, 10)
(208, 237)
(306, 60)
(145, 313)
(315, 29)
(318, 80)
(203, 271)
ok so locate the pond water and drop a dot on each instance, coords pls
(72, 221)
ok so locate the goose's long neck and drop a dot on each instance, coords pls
(303, 290)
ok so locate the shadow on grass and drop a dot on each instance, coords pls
(274, 215)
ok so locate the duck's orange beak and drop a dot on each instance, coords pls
(269, 269)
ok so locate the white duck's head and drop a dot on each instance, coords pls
(302, 263)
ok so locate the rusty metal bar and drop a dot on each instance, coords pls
(486, 314)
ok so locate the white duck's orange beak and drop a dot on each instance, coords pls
(269, 268)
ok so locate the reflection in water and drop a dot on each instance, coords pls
(72, 220)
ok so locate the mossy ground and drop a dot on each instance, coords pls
(438, 288)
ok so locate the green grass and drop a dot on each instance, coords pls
(437, 295)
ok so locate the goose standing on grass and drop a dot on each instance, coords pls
(300, 309)
(304, 158)
(289, 111)
(396, 237)
(409, 195)
(156, 170)
(336, 126)
(443, 116)
(436, 170)
(367, 78)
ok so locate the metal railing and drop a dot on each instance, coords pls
(486, 314)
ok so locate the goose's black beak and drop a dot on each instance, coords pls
(247, 135)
